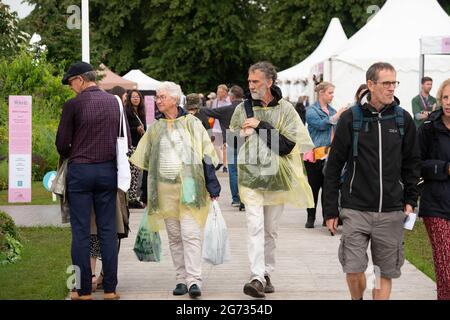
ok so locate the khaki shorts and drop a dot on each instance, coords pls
(385, 232)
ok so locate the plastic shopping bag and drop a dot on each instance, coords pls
(216, 247)
(148, 243)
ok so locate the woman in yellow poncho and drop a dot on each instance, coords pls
(180, 159)
(270, 169)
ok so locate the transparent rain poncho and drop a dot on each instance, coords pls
(264, 177)
(172, 151)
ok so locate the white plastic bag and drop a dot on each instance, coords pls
(123, 165)
(216, 247)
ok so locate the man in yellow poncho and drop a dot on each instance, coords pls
(270, 169)
(180, 159)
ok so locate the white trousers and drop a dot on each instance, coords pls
(185, 243)
(262, 225)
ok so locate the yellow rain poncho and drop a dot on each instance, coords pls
(265, 178)
(172, 152)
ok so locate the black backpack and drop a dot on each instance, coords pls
(359, 121)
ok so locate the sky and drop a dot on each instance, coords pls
(15, 5)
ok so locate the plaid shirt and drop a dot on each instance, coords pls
(89, 126)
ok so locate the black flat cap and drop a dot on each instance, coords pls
(76, 69)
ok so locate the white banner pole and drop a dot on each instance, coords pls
(85, 30)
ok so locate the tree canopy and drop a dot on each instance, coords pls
(12, 38)
(197, 43)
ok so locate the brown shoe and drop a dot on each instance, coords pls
(254, 289)
(111, 296)
(74, 295)
(269, 288)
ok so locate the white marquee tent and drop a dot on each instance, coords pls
(143, 81)
(293, 81)
(392, 35)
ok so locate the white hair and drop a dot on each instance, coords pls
(173, 89)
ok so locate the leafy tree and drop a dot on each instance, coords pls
(12, 39)
(119, 40)
(200, 43)
(445, 4)
(49, 19)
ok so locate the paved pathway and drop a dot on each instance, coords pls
(307, 263)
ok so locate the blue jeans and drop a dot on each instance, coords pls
(93, 186)
(233, 174)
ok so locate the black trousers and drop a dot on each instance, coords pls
(93, 185)
(315, 179)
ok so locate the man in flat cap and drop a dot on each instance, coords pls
(193, 105)
(87, 136)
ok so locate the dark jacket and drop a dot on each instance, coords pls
(211, 181)
(204, 119)
(301, 110)
(135, 121)
(285, 145)
(223, 114)
(89, 125)
(384, 176)
(434, 142)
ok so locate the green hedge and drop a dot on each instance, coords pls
(10, 246)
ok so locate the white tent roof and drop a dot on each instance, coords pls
(392, 35)
(144, 81)
(333, 39)
(394, 32)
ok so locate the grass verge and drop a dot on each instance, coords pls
(418, 249)
(41, 273)
(39, 196)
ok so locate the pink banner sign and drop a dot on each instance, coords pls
(320, 68)
(20, 145)
(149, 109)
(446, 45)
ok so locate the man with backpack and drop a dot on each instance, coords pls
(375, 164)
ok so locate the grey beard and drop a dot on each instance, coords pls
(256, 96)
(259, 95)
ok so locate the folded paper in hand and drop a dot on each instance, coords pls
(409, 221)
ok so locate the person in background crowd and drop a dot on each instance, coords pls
(193, 105)
(321, 118)
(224, 114)
(211, 97)
(300, 107)
(217, 130)
(120, 92)
(362, 89)
(135, 110)
(434, 141)
(423, 104)
(202, 100)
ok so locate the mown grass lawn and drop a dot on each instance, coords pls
(418, 249)
(41, 273)
(39, 195)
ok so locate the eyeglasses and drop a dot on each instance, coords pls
(388, 84)
(72, 79)
(160, 98)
